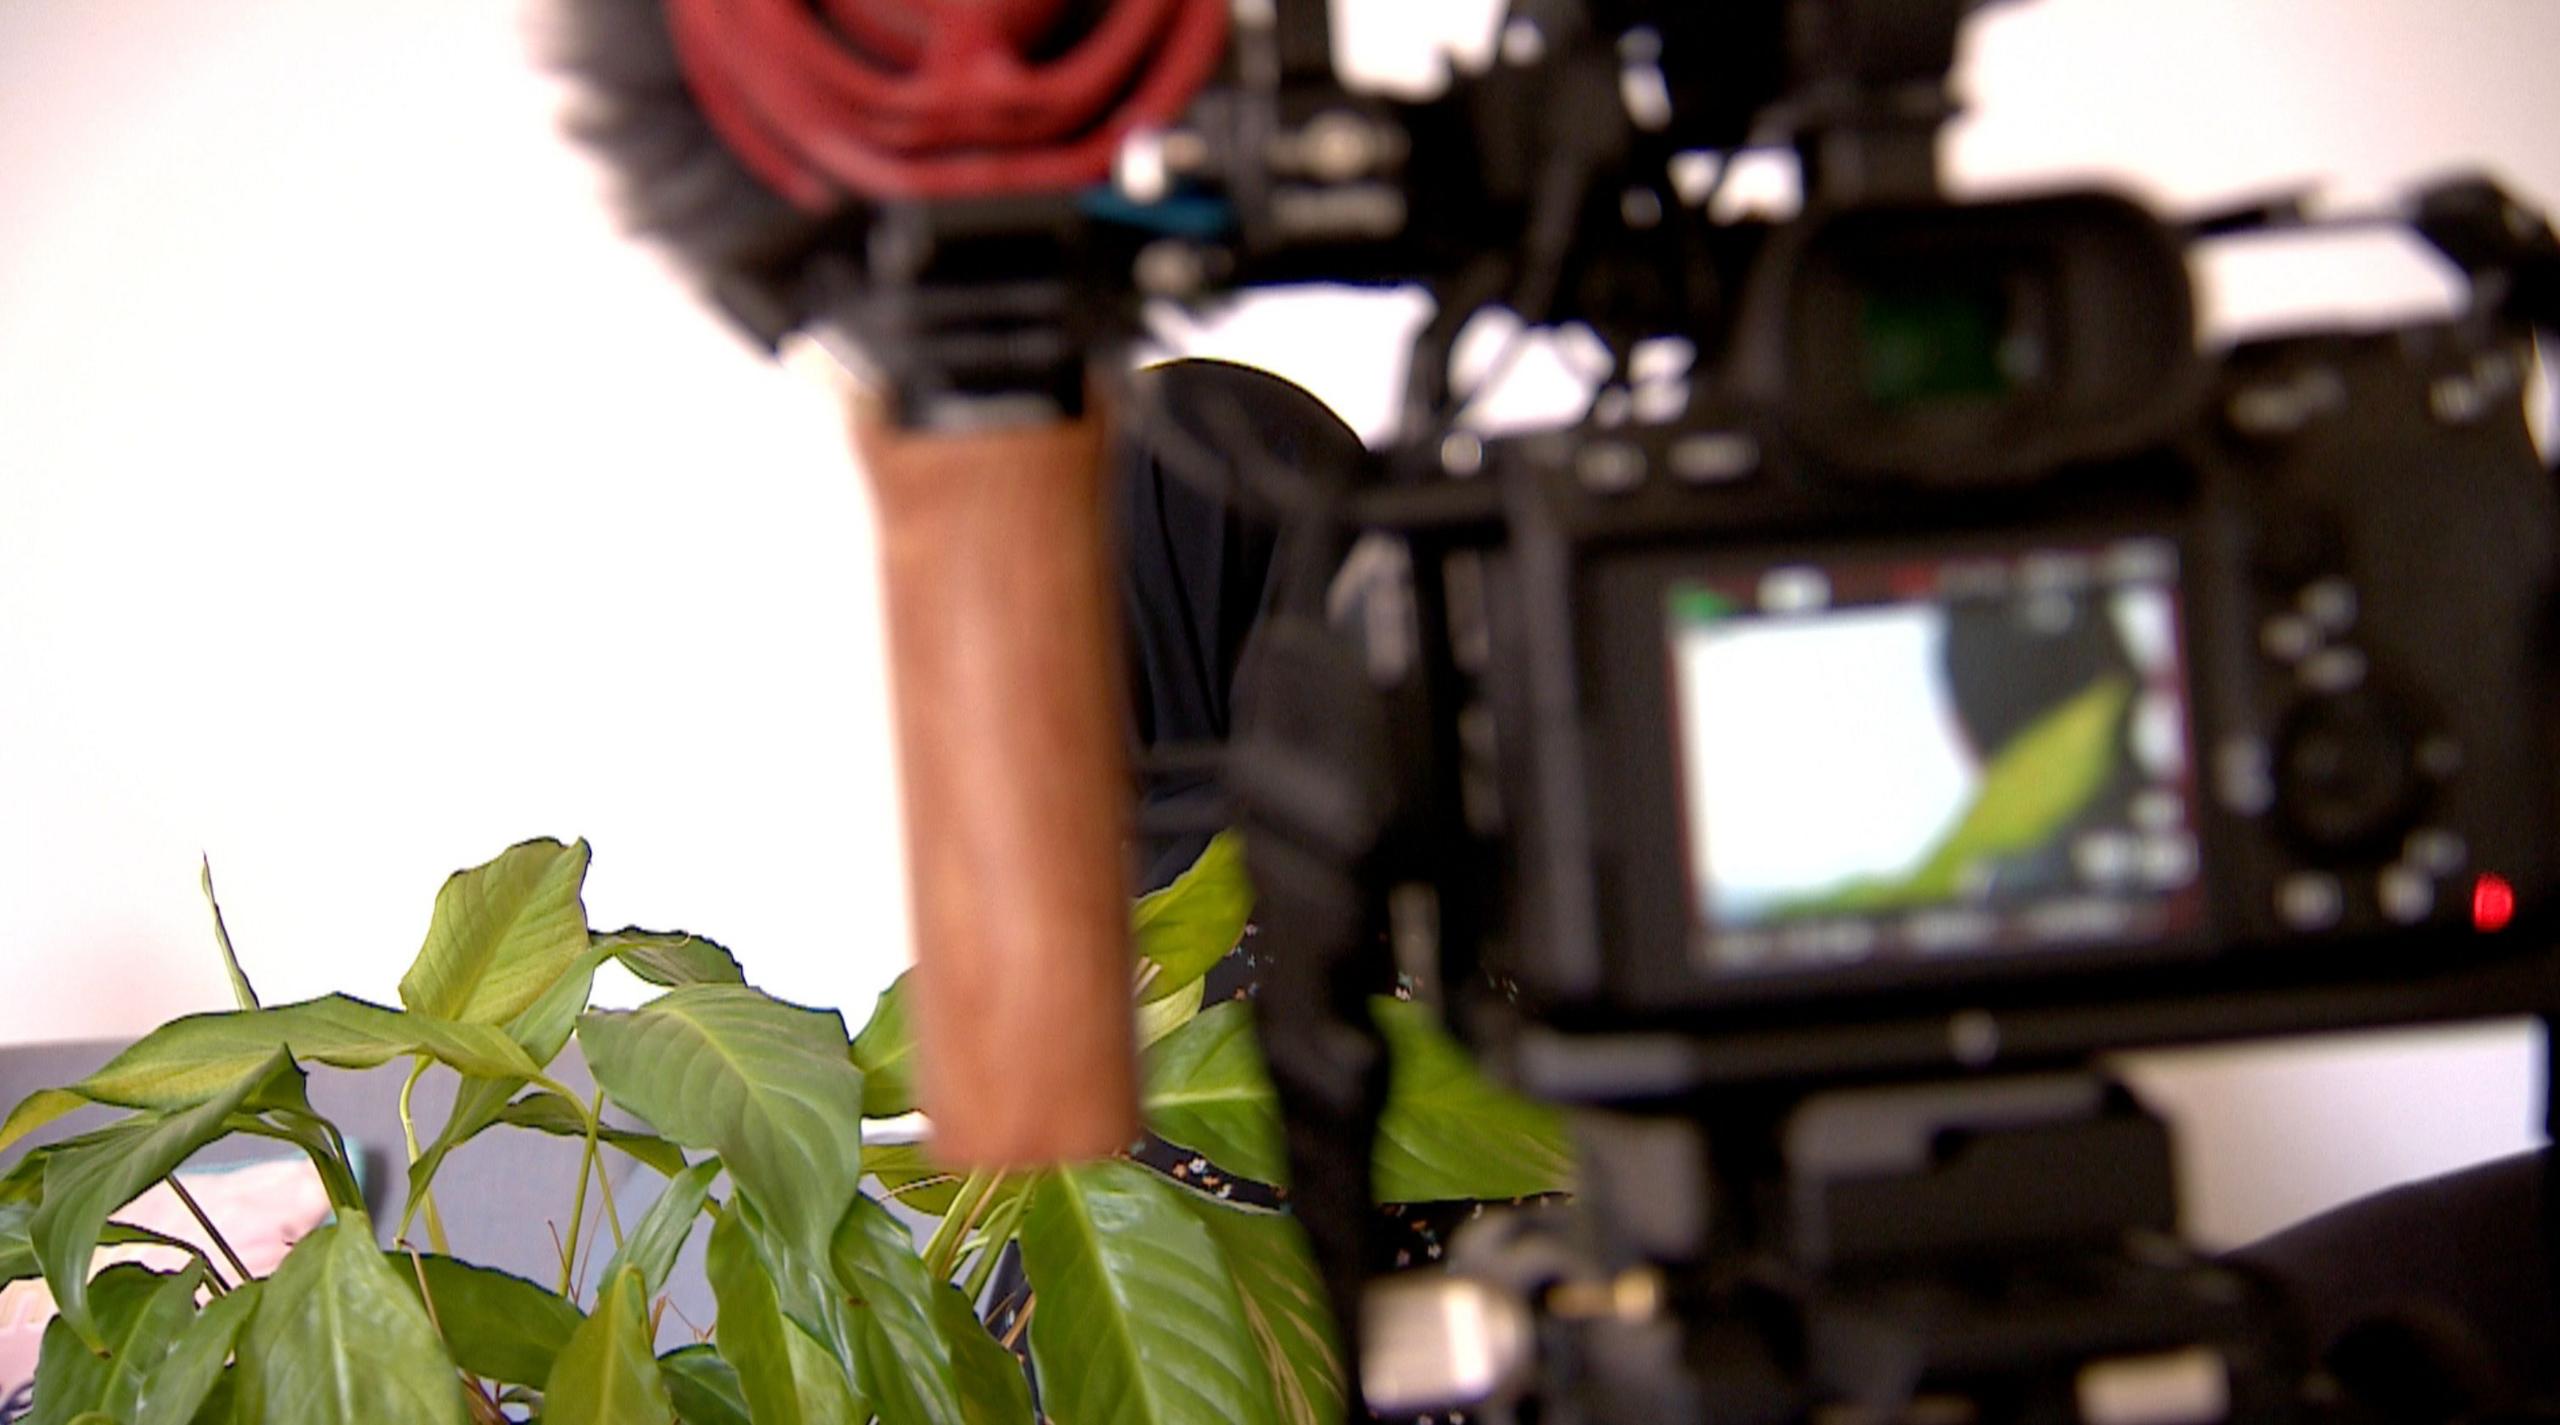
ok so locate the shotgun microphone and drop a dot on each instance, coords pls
(806, 158)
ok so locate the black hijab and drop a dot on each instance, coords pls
(1196, 566)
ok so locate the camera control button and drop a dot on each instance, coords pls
(1714, 457)
(1462, 454)
(2271, 410)
(2333, 670)
(2169, 860)
(2346, 772)
(2440, 757)
(2243, 776)
(2406, 894)
(2330, 604)
(1609, 467)
(2310, 900)
(2434, 850)
(2288, 638)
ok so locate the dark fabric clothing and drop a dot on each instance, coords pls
(1197, 571)
(2452, 1277)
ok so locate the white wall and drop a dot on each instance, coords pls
(366, 503)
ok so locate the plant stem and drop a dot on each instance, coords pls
(409, 1130)
(944, 1247)
(604, 1180)
(577, 1218)
(222, 1245)
(1001, 1225)
(420, 1267)
(475, 1394)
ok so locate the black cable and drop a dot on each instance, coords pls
(1554, 215)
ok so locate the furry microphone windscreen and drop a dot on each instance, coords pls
(823, 100)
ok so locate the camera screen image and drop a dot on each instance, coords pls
(1936, 758)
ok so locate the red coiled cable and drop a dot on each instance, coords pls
(936, 98)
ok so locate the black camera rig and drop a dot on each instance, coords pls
(1811, 764)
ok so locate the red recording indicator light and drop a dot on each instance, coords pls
(2493, 902)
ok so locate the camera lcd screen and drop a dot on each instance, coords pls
(1936, 758)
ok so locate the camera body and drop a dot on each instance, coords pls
(1978, 648)
(1817, 778)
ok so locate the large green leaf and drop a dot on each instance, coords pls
(36, 1110)
(671, 958)
(1160, 1017)
(750, 1325)
(827, 1396)
(502, 934)
(704, 1387)
(992, 1385)
(548, 1112)
(1447, 1131)
(909, 1174)
(140, 1314)
(221, 1404)
(544, 1026)
(786, 1377)
(1284, 1304)
(1191, 925)
(92, 1177)
(769, 1087)
(885, 1051)
(23, 1183)
(178, 1387)
(337, 1340)
(243, 994)
(1206, 1090)
(1138, 1323)
(186, 1061)
(653, 1244)
(806, 1287)
(541, 1029)
(18, 1249)
(295, 1121)
(477, 1104)
(608, 1373)
(911, 1359)
(495, 1325)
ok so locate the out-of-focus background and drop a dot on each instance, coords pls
(367, 503)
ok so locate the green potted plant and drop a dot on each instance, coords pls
(1151, 1303)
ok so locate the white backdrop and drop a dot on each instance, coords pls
(367, 504)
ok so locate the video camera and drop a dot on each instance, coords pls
(1922, 673)
(1812, 775)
